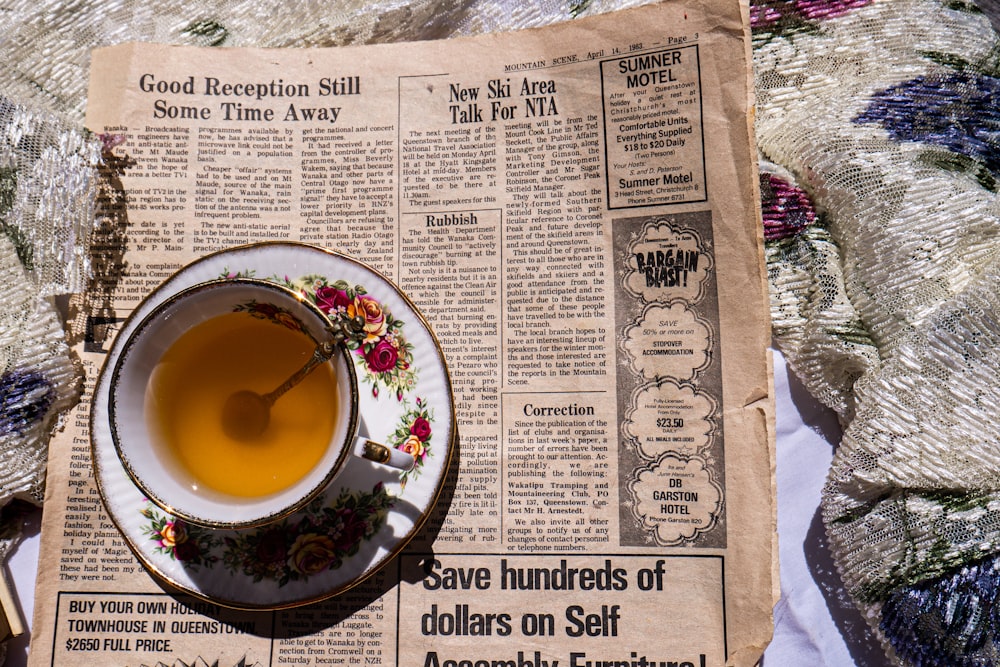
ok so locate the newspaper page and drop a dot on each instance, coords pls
(574, 211)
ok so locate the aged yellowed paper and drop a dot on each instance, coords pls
(574, 211)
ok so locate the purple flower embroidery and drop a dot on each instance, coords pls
(785, 208)
(25, 398)
(782, 16)
(956, 111)
(948, 621)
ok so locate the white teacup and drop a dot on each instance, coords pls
(181, 363)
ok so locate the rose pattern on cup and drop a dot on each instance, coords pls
(319, 538)
(269, 311)
(383, 354)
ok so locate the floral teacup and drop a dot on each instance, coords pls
(174, 383)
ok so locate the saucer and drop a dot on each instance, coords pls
(368, 513)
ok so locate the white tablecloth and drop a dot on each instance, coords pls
(815, 624)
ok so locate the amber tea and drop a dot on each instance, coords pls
(211, 361)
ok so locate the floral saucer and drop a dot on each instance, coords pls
(369, 512)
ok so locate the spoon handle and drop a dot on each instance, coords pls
(322, 353)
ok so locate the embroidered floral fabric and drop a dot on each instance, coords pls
(881, 228)
(47, 186)
(38, 382)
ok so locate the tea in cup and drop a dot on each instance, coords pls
(234, 403)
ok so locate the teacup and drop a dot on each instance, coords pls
(180, 443)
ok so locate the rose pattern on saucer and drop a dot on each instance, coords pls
(318, 538)
(413, 436)
(183, 542)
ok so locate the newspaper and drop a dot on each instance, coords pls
(574, 210)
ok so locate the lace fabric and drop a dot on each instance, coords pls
(883, 119)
